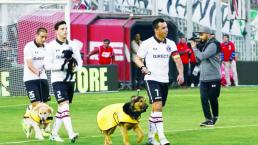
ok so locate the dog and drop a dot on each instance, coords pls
(38, 118)
(68, 55)
(124, 115)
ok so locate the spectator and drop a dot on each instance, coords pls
(194, 77)
(105, 53)
(137, 78)
(228, 59)
(77, 4)
(184, 51)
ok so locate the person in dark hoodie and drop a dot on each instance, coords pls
(209, 58)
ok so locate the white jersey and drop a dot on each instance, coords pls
(54, 58)
(157, 55)
(37, 54)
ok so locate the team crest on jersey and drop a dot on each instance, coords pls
(169, 48)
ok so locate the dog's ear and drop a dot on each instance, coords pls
(36, 108)
(50, 110)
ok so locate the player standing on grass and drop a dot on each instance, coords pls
(34, 75)
(157, 51)
(63, 91)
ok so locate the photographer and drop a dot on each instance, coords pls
(209, 58)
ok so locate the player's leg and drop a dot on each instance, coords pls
(34, 96)
(163, 87)
(204, 90)
(156, 118)
(57, 88)
(44, 91)
(150, 86)
(66, 111)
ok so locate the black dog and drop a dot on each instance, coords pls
(71, 64)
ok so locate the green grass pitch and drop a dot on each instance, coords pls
(238, 123)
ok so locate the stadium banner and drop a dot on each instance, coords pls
(97, 78)
(204, 13)
(92, 78)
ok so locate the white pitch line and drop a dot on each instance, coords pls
(170, 131)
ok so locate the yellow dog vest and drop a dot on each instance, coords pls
(33, 115)
(112, 115)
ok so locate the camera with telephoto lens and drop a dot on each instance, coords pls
(195, 37)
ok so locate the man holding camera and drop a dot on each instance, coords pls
(209, 58)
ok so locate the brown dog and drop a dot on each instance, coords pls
(124, 115)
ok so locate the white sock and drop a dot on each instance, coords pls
(152, 127)
(58, 122)
(158, 120)
(67, 120)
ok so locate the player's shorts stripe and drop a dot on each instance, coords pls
(148, 88)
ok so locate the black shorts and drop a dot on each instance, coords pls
(37, 90)
(63, 91)
(157, 91)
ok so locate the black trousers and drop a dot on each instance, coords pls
(210, 92)
(186, 75)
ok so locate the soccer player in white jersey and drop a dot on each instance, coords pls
(157, 51)
(63, 90)
(34, 75)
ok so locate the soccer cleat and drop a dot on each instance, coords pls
(152, 141)
(75, 137)
(207, 123)
(164, 141)
(56, 138)
(214, 120)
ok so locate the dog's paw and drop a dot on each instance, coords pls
(39, 137)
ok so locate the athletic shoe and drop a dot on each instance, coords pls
(164, 141)
(152, 141)
(214, 120)
(75, 137)
(56, 138)
(207, 123)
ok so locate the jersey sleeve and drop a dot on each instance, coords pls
(27, 52)
(173, 46)
(143, 50)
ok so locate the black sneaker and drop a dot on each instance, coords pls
(214, 120)
(207, 123)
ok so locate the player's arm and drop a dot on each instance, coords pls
(28, 59)
(78, 58)
(95, 51)
(179, 66)
(141, 53)
(31, 67)
(233, 54)
(49, 60)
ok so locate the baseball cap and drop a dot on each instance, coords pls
(204, 30)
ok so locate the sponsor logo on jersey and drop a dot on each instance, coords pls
(161, 56)
(38, 58)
